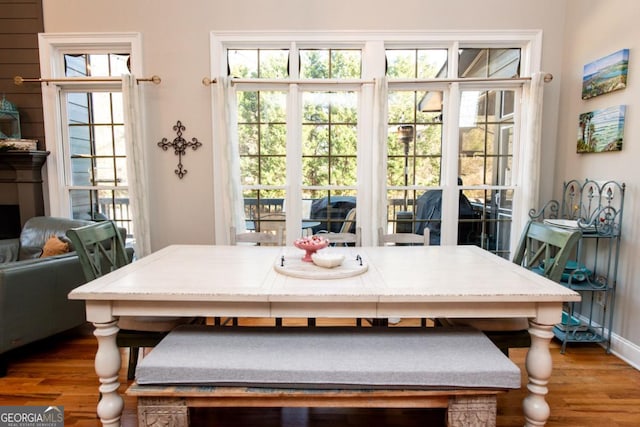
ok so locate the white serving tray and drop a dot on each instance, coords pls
(294, 266)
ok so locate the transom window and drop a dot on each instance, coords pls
(258, 63)
(330, 64)
(416, 63)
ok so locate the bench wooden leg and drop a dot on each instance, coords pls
(472, 411)
(162, 412)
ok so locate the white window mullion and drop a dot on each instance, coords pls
(294, 164)
(294, 150)
(366, 159)
(450, 150)
(450, 153)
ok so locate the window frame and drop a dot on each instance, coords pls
(373, 47)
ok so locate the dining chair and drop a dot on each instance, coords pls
(400, 239)
(272, 237)
(404, 239)
(100, 248)
(345, 236)
(345, 239)
(543, 249)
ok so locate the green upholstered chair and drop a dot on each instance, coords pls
(100, 248)
(544, 249)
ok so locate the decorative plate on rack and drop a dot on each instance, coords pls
(569, 224)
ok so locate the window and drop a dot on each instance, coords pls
(485, 152)
(414, 137)
(486, 160)
(94, 133)
(85, 113)
(310, 148)
(328, 143)
(97, 182)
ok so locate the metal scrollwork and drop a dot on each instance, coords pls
(179, 145)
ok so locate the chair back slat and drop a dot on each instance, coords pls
(100, 248)
(343, 238)
(261, 238)
(546, 248)
(403, 238)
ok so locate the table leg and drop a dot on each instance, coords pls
(539, 366)
(107, 365)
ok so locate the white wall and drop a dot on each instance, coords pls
(596, 28)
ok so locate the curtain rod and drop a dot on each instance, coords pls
(547, 78)
(208, 81)
(19, 80)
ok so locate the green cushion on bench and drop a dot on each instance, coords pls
(328, 357)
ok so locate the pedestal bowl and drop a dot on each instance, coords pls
(310, 245)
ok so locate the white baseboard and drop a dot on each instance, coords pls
(626, 350)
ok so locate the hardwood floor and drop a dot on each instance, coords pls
(588, 388)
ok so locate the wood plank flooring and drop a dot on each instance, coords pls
(588, 388)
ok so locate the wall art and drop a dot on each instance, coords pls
(601, 130)
(605, 74)
(179, 145)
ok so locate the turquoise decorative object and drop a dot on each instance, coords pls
(9, 120)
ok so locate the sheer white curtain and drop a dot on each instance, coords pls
(136, 166)
(530, 162)
(380, 120)
(225, 110)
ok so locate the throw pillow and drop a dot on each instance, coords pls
(54, 246)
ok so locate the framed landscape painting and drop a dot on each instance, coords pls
(601, 130)
(605, 75)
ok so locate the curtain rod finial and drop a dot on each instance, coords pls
(156, 79)
(18, 80)
(548, 77)
(208, 81)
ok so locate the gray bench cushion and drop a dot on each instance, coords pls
(328, 358)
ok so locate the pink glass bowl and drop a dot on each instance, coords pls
(310, 245)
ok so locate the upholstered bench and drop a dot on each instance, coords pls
(200, 366)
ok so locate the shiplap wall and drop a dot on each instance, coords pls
(20, 23)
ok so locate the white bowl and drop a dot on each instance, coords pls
(327, 260)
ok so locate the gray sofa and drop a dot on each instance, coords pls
(33, 290)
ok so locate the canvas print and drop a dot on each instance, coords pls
(601, 130)
(605, 75)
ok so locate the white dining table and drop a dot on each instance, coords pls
(373, 282)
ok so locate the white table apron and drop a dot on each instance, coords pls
(241, 281)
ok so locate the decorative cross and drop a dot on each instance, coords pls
(180, 146)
